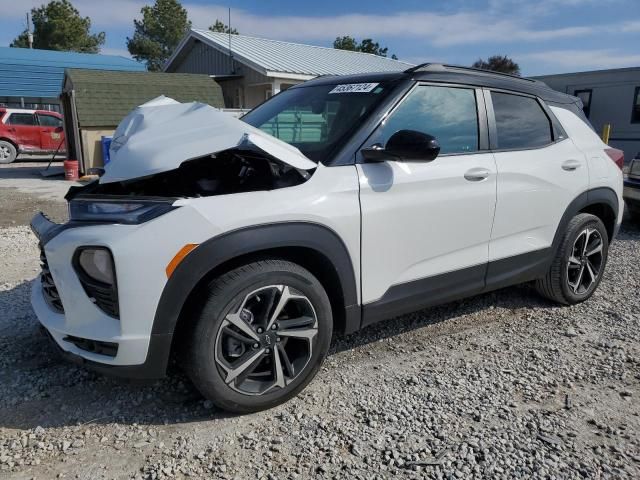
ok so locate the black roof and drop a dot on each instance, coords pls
(433, 72)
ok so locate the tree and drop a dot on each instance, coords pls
(220, 27)
(346, 43)
(159, 32)
(498, 63)
(367, 45)
(59, 26)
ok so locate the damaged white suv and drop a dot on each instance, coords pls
(240, 246)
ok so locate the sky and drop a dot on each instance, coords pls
(542, 36)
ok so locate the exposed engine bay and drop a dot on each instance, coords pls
(232, 171)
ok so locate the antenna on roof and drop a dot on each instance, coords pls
(233, 69)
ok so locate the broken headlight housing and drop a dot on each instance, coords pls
(122, 210)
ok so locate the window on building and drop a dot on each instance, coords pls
(635, 112)
(520, 122)
(585, 97)
(49, 120)
(22, 119)
(449, 114)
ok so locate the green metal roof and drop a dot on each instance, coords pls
(104, 98)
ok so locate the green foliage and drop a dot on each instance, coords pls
(159, 32)
(498, 63)
(220, 27)
(367, 45)
(59, 26)
(346, 43)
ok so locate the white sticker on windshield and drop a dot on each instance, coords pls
(354, 88)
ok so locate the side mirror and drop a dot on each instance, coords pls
(406, 146)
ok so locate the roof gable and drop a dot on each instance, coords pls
(273, 57)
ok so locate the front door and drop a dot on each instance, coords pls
(51, 132)
(426, 225)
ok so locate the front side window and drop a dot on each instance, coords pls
(520, 122)
(635, 113)
(22, 119)
(320, 119)
(449, 114)
(585, 97)
(49, 120)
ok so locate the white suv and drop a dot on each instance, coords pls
(240, 246)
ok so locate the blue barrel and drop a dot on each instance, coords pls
(106, 144)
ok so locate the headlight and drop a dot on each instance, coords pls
(117, 211)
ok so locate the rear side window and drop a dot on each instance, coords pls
(22, 119)
(49, 120)
(447, 113)
(520, 122)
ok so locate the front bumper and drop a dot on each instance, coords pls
(140, 265)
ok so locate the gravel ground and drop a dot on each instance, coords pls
(503, 385)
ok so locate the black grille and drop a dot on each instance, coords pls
(93, 346)
(49, 290)
(104, 296)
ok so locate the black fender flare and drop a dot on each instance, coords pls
(222, 248)
(601, 195)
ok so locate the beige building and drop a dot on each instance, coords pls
(250, 69)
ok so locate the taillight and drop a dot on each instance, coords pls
(616, 155)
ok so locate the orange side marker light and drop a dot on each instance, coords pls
(175, 261)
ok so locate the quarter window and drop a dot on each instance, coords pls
(585, 97)
(635, 113)
(520, 122)
(22, 119)
(449, 114)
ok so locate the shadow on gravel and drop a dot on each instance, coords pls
(38, 388)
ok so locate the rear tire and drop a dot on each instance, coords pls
(8, 152)
(579, 263)
(260, 337)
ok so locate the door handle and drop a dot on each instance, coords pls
(571, 165)
(476, 174)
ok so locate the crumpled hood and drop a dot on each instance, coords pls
(161, 134)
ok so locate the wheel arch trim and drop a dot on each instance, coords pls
(595, 196)
(220, 249)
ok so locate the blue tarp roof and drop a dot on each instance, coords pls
(39, 73)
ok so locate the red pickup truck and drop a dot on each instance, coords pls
(29, 131)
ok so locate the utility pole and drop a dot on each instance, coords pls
(233, 70)
(29, 34)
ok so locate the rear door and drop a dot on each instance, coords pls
(428, 223)
(540, 171)
(26, 130)
(50, 131)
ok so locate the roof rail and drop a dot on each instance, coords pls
(439, 67)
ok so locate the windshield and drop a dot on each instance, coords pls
(318, 119)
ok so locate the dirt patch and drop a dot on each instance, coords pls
(18, 208)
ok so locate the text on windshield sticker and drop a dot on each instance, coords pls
(354, 88)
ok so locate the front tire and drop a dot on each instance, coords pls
(579, 263)
(8, 152)
(260, 337)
